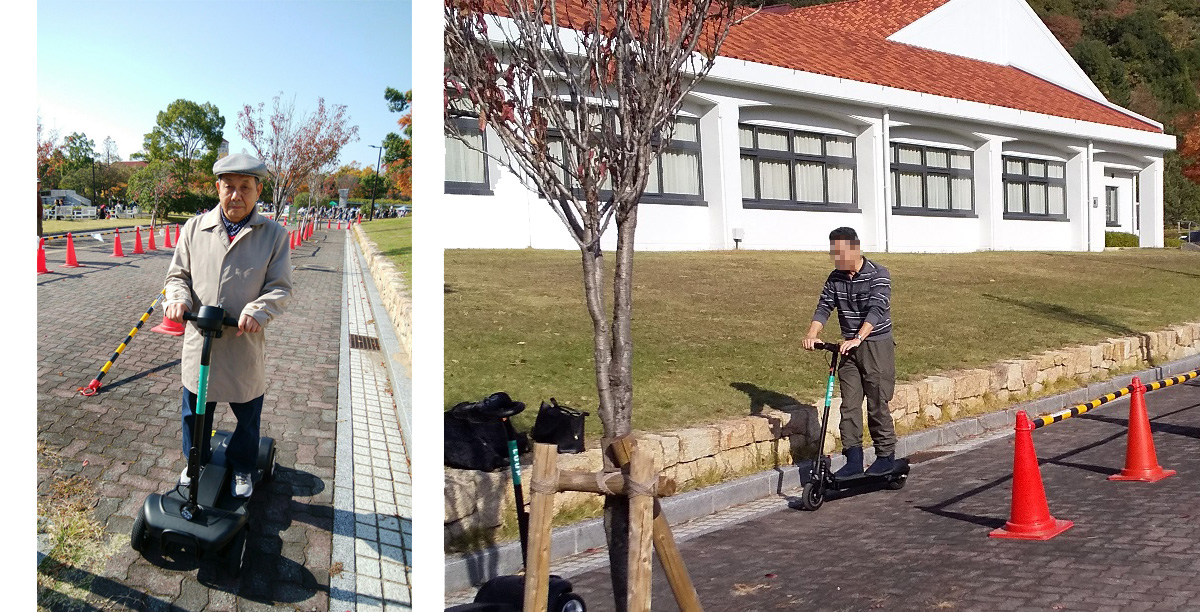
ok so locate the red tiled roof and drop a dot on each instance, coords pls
(880, 18)
(848, 40)
(792, 40)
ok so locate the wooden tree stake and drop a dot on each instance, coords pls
(537, 562)
(640, 490)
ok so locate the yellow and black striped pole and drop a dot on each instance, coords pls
(94, 386)
(1043, 421)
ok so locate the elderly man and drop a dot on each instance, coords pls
(234, 258)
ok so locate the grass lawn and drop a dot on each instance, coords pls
(394, 237)
(61, 227)
(715, 331)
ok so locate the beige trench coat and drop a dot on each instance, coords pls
(252, 275)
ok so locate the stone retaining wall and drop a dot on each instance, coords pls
(698, 456)
(393, 288)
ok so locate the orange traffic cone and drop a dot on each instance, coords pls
(117, 250)
(150, 237)
(137, 244)
(176, 234)
(292, 240)
(167, 237)
(329, 223)
(168, 327)
(1141, 462)
(42, 257)
(1030, 516)
(71, 262)
(339, 224)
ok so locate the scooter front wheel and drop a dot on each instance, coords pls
(137, 538)
(897, 483)
(570, 603)
(811, 497)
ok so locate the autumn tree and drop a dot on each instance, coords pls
(583, 110)
(187, 136)
(295, 146)
(397, 148)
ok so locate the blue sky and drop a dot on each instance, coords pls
(107, 68)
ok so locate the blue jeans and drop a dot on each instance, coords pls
(242, 452)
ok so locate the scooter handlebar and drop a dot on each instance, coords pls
(827, 346)
(230, 321)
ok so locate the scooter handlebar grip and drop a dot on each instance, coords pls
(230, 321)
(188, 316)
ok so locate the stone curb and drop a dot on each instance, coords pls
(393, 289)
(464, 571)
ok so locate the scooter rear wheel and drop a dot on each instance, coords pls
(235, 553)
(897, 483)
(811, 497)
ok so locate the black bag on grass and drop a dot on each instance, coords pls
(559, 425)
(476, 442)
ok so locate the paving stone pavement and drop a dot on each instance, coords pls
(126, 438)
(373, 499)
(1134, 546)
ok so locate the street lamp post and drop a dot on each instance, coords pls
(378, 159)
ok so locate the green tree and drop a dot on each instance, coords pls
(154, 187)
(397, 148)
(186, 135)
(80, 151)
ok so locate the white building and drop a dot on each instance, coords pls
(927, 125)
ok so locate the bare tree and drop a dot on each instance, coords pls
(295, 147)
(583, 110)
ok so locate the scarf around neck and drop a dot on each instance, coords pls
(233, 228)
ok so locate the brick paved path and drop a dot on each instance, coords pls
(1134, 546)
(128, 434)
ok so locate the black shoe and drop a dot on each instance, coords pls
(854, 463)
(884, 464)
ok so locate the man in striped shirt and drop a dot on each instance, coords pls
(860, 290)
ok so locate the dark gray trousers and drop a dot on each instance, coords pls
(869, 371)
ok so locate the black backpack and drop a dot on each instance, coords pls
(559, 425)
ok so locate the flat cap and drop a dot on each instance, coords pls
(241, 163)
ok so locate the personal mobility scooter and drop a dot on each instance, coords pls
(206, 515)
(820, 478)
(507, 593)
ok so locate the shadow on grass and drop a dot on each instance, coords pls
(110, 591)
(1070, 315)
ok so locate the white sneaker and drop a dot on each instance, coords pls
(184, 481)
(243, 485)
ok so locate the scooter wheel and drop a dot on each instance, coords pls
(897, 483)
(137, 537)
(811, 497)
(235, 553)
(569, 602)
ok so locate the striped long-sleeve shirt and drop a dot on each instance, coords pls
(865, 297)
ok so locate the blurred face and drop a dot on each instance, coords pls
(238, 193)
(845, 254)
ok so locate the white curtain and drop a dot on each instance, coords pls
(1055, 170)
(464, 165)
(810, 182)
(962, 190)
(1037, 198)
(652, 182)
(1013, 166)
(1015, 202)
(681, 172)
(774, 141)
(686, 130)
(1037, 169)
(839, 147)
(939, 192)
(912, 190)
(841, 185)
(908, 155)
(935, 158)
(748, 178)
(746, 137)
(807, 144)
(961, 161)
(773, 179)
(1058, 199)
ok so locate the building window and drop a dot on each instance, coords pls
(1110, 201)
(788, 169)
(932, 181)
(466, 168)
(1035, 189)
(674, 177)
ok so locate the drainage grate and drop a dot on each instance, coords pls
(364, 342)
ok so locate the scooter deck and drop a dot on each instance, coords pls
(864, 479)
